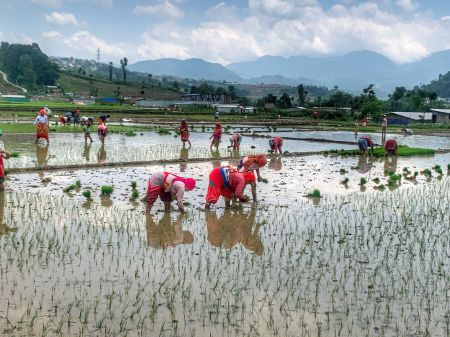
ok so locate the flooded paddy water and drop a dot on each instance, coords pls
(356, 262)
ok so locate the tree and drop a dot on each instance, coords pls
(232, 92)
(123, 65)
(175, 85)
(398, 94)
(149, 79)
(27, 76)
(302, 93)
(285, 101)
(110, 71)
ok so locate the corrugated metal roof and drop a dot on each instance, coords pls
(416, 116)
(444, 111)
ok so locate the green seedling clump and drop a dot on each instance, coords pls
(427, 173)
(106, 190)
(69, 188)
(130, 134)
(314, 194)
(133, 185)
(342, 171)
(362, 181)
(78, 184)
(376, 180)
(87, 194)
(403, 151)
(135, 194)
(14, 154)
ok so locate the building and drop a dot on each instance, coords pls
(209, 98)
(53, 91)
(228, 108)
(441, 115)
(406, 118)
(14, 98)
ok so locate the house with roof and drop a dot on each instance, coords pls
(406, 118)
(441, 115)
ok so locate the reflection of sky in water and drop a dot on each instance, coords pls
(70, 148)
(431, 142)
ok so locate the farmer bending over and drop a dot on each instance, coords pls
(364, 143)
(390, 147)
(168, 187)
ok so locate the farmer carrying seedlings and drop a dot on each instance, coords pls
(252, 163)
(3, 154)
(216, 136)
(168, 187)
(184, 133)
(364, 143)
(228, 182)
(276, 143)
(41, 123)
(390, 147)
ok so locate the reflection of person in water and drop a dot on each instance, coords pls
(167, 233)
(215, 154)
(42, 154)
(3, 228)
(275, 164)
(101, 155)
(364, 164)
(233, 228)
(87, 151)
(184, 155)
(390, 163)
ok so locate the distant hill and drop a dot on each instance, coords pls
(192, 68)
(351, 72)
(440, 86)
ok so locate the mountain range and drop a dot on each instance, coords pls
(352, 72)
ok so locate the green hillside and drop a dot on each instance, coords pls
(85, 85)
(440, 86)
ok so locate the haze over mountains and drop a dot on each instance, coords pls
(351, 72)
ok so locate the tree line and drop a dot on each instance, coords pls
(27, 65)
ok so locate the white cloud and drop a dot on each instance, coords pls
(164, 8)
(61, 19)
(222, 11)
(84, 43)
(407, 5)
(445, 18)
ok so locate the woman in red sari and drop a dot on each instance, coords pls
(184, 133)
(41, 123)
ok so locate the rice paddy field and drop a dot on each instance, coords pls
(369, 257)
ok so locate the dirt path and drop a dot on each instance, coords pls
(5, 78)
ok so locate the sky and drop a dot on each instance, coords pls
(227, 31)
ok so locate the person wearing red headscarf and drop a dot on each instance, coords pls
(41, 123)
(276, 143)
(168, 187)
(391, 147)
(216, 136)
(252, 163)
(229, 183)
(184, 133)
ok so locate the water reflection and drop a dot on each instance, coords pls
(184, 155)
(3, 228)
(365, 164)
(167, 233)
(234, 227)
(101, 155)
(42, 156)
(216, 154)
(390, 163)
(275, 164)
(87, 151)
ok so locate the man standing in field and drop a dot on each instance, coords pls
(316, 117)
(384, 123)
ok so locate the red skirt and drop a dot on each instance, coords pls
(41, 131)
(215, 186)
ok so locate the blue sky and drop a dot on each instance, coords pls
(227, 31)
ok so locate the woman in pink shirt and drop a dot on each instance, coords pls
(168, 187)
(276, 143)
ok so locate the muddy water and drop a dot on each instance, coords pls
(71, 149)
(348, 266)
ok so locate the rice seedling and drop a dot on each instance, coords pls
(427, 173)
(70, 188)
(343, 171)
(133, 185)
(314, 194)
(345, 181)
(106, 190)
(135, 194)
(376, 180)
(78, 184)
(87, 194)
(362, 181)
(14, 154)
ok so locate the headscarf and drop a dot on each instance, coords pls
(189, 183)
(261, 160)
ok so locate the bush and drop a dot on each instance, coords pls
(106, 190)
